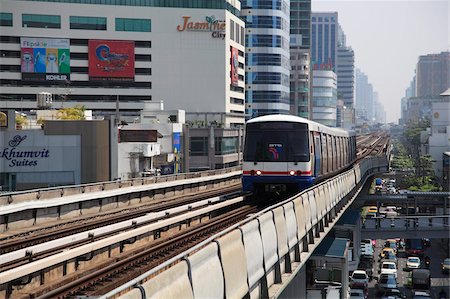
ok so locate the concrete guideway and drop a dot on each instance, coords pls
(14, 207)
(87, 235)
(24, 214)
(276, 244)
(47, 262)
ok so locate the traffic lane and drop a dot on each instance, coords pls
(437, 252)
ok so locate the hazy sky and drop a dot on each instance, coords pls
(388, 37)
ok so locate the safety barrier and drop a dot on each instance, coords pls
(269, 243)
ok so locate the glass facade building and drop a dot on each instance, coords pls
(267, 56)
(324, 37)
(300, 48)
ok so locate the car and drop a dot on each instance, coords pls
(391, 243)
(386, 282)
(357, 294)
(366, 250)
(370, 215)
(413, 262)
(359, 278)
(372, 209)
(389, 268)
(445, 266)
(421, 295)
(369, 241)
(366, 264)
(389, 211)
(388, 258)
(426, 242)
(392, 294)
(386, 251)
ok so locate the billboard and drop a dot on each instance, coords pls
(138, 136)
(111, 60)
(45, 59)
(234, 66)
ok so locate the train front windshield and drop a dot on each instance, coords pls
(276, 142)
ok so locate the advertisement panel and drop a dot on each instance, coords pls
(234, 66)
(45, 59)
(138, 136)
(111, 60)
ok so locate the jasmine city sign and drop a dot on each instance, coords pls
(216, 27)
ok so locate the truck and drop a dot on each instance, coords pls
(420, 279)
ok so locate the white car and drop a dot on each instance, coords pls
(359, 278)
(389, 268)
(357, 294)
(413, 262)
(389, 211)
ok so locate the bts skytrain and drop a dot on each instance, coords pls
(287, 154)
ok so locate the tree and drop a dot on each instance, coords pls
(20, 121)
(74, 113)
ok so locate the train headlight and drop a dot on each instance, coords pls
(258, 172)
(292, 172)
(252, 172)
(299, 172)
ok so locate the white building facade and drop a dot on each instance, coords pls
(190, 56)
(324, 97)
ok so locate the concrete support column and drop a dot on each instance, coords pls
(297, 287)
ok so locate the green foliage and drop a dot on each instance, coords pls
(21, 120)
(75, 113)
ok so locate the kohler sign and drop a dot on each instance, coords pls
(15, 157)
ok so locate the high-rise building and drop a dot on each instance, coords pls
(324, 36)
(345, 70)
(190, 54)
(364, 99)
(433, 74)
(324, 98)
(267, 56)
(300, 53)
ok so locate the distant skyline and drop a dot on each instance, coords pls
(388, 37)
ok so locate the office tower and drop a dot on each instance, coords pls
(300, 54)
(345, 70)
(433, 74)
(324, 97)
(324, 36)
(267, 56)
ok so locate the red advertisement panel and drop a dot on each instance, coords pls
(234, 66)
(111, 60)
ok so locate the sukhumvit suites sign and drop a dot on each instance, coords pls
(15, 156)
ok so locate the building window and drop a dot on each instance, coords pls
(231, 29)
(87, 23)
(41, 21)
(225, 145)
(136, 25)
(199, 146)
(6, 19)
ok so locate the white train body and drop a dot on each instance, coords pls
(285, 153)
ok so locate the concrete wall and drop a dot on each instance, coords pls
(95, 145)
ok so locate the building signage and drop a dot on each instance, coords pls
(138, 136)
(234, 66)
(210, 24)
(328, 66)
(16, 157)
(111, 60)
(45, 59)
